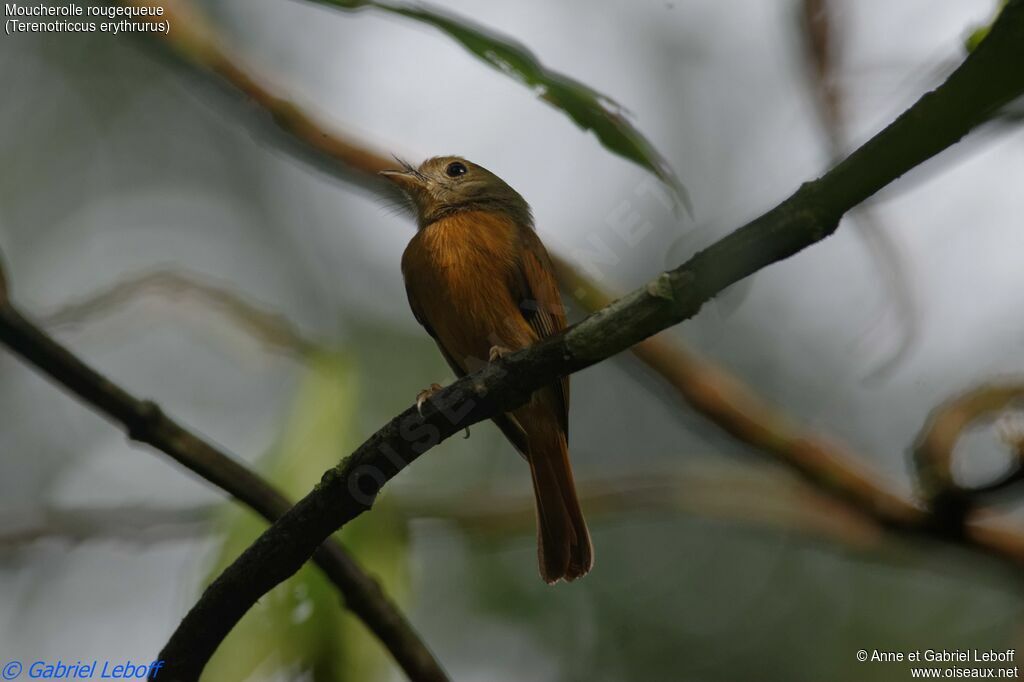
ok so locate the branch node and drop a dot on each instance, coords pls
(949, 510)
(147, 416)
(949, 501)
(661, 287)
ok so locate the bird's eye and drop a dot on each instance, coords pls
(455, 169)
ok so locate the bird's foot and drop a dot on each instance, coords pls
(497, 352)
(425, 395)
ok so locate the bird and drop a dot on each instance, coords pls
(481, 283)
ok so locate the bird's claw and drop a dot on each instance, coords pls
(425, 395)
(497, 352)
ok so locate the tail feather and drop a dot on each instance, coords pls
(564, 549)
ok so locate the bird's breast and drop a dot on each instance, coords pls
(460, 270)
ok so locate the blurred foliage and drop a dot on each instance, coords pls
(301, 626)
(588, 108)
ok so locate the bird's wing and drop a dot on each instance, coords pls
(417, 312)
(541, 304)
(508, 424)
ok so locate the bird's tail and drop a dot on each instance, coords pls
(563, 541)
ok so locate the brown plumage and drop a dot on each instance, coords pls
(481, 283)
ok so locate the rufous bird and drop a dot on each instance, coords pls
(481, 283)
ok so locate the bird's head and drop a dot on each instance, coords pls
(445, 185)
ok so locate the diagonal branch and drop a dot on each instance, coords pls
(825, 463)
(820, 43)
(990, 77)
(720, 397)
(146, 423)
(739, 411)
(195, 42)
(763, 498)
(826, 466)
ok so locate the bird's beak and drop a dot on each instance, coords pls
(407, 181)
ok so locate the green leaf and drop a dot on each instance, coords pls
(975, 37)
(302, 626)
(588, 108)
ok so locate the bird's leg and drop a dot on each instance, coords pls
(497, 352)
(425, 395)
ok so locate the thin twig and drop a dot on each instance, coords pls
(829, 465)
(138, 524)
(275, 331)
(759, 498)
(146, 423)
(713, 392)
(735, 408)
(933, 452)
(703, 385)
(815, 458)
(706, 387)
(738, 495)
(990, 77)
(195, 42)
(820, 41)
